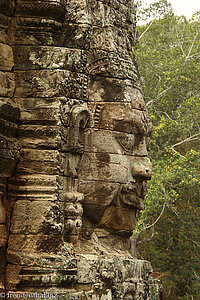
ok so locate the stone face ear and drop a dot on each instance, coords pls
(81, 118)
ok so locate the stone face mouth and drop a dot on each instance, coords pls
(132, 195)
(137, 189)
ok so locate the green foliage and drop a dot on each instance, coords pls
(168, 229)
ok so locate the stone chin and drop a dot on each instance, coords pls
(119, 220)
(117, 207)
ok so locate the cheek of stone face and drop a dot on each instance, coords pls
(104, 167)
(98, 196)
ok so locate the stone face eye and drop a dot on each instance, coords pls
(127, 142)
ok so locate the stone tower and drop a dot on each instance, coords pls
(73, 147)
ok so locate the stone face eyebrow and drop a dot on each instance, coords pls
(128, 120)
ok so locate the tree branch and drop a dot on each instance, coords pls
(170, 118)
(158, 96)
(191, 138)
(195, 243)
(162, 211)
(146, 29)
(147, 239)
(163, 92)
(190, 50)
(178, 153)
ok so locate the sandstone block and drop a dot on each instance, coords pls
(4, 39)
(77, 36)
(26, 104)
(8, 128)
(12, 276)
(115, 117)
(117, 269)
(110, 14)
(7, 84)
(114, 39)
(45, 57)
(119, 218)
(78, 11)
(38, 162)
(36, 217)
(28, 247)
(96, 192)
(49, 83)
(33, 187)
(41, 32)
(40, 115)
(3, 235)
(109, 64)
(104, 89)
(6, 57)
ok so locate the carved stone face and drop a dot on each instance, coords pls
(115, 168)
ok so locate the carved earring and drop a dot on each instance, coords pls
(81, 118)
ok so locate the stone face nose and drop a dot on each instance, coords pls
(142, 169)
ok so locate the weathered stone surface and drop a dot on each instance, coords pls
(78, 12)
(9, 146)
(50, 84)
(41, 33)
(113, 90)
(74, 162)
(7, 84)
(115, 13)
(4, 39)
(112, 64)
(113, 39)
(9, 153)
(6, 57)
(12, 273)
(7, 6)
(104, 141)
(106, 275)
(32, 245)
(38, 162)
(44, 57)
(41, 187)
(77, 36)
(3, 233)
(113, 167)
(51, 9)
(36, 217)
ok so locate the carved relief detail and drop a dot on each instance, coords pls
(73, 215)
(46, 9)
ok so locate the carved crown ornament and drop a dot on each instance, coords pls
(50, 9)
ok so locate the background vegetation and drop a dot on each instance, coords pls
(168, 230)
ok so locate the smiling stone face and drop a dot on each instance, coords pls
(115, 168)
